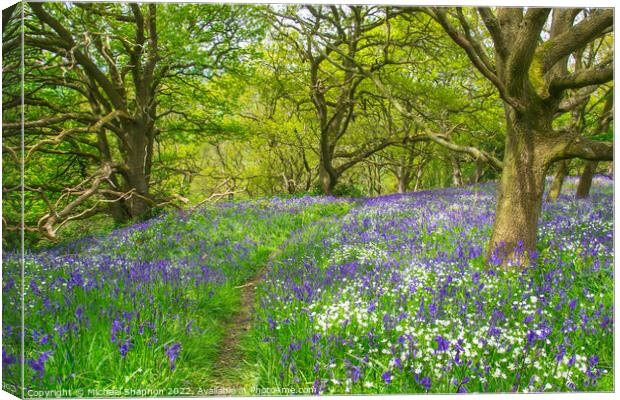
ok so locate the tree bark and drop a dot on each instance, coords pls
(138, 158)
(479, 171)
(457, 175)
(328, 179)
(370, 180)
(558, 181)
(418, 176)
(403, 176)
(519, 196)
(585, 181)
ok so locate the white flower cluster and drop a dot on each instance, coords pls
(366, 253)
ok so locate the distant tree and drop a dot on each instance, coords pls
(407, 164)
(558, 180)
(329, 40)
(436, 100)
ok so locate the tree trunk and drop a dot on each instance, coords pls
(585, 181)
(369, 179)
(137, 204)
(118, 212)
(328, 180)
(558, 181)
(138, 161)
(478, 172)
(418, 178)
(519, 201)
(457, 175)
(403, 179)
(289, 182)
(530, 69)
(116, 207)
(374, 179)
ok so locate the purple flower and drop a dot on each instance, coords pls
(442, 343)
(387, 377)
(545, 331)
(45, 339)
(355, 373)
(62, 330)
(7, 359)
(592, 361)
(79, 311)
(494, 331)
(592, 372)
(398, 363)
(10, 283)
(561, 352)
(432, 309)
(118, 326)
(39, 364)
(572, 304)
(172, 352)
(460, 384)
(531, 336)
(35, 288)
(425, 382)
(316, 388)
(572, 360)
(457, 358)
(124, 347)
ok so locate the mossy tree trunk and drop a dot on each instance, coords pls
(520, 191)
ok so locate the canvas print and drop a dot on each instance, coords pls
(214, 199)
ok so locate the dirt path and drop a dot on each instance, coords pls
(233, 369)
(231, 366)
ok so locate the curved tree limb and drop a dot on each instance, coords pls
(440, 15)
(582, 78)
(575, 38)
(584, 148)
